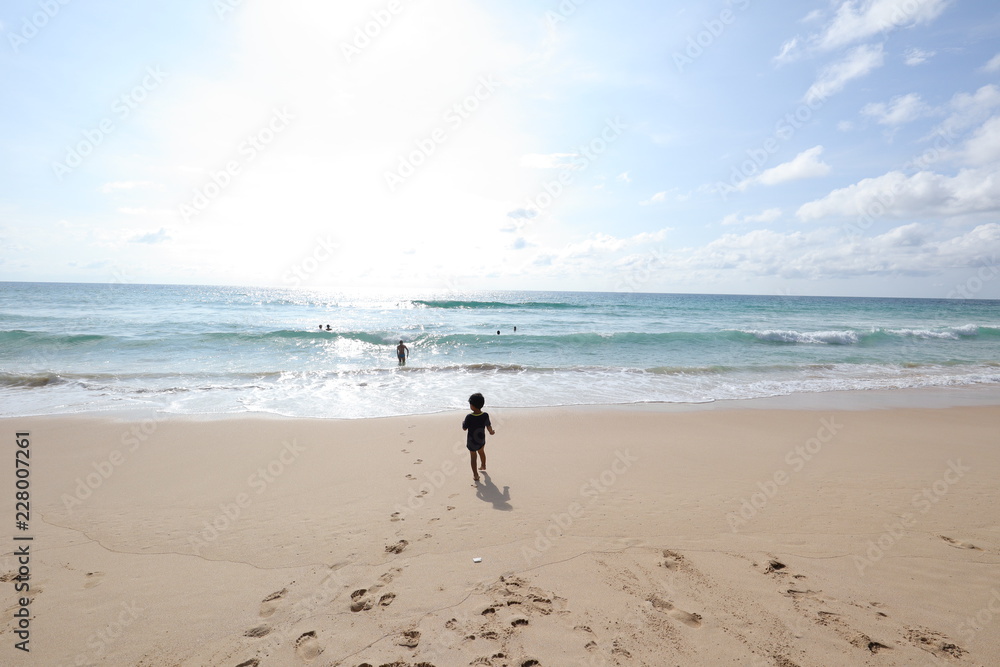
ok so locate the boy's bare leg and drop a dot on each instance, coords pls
(482, 457)
(475, 473)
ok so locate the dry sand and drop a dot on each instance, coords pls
(607, 537)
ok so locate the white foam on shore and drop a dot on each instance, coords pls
(383, 394)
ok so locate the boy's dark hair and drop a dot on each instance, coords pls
(477, 401)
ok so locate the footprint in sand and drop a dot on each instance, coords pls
(397, 547)
(794, 593)
(307, 647)
(363, 599)
(934, 642)
(259, 631)
(409, 638)
(958, 544)
(861, 640)
(687, 618)
(774, 565)
(826, 617)
(252, 662)
(271, 603)
(359, 602)
(618, 649)
(418, 462)
(93, 579)
(395, 516)
(388, 576)
(408, 476)
(852, 635)
(674, 561)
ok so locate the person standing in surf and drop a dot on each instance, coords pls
(401, 353)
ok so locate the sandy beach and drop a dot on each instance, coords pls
(600, 536)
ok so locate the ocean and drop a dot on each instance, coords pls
(204, 350)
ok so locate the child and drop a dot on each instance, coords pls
(477, 424)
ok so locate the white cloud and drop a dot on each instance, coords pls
(768, 215)
(789, 51)
(673, 194)
(983, 147)
(966, 110)
(993, 65)
(923, 195)
(823, 254)
(902, 109)
(604, 244)
(856, 20)
(911, 235)
(833, 78)
(655, 199)
(624, 177)
(915, 56)
(152, 237)
(649, 237)
(522, 213)
(806, 164)
(598, 243)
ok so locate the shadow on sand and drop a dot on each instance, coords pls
(487, 491)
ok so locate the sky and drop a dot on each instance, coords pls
(844, 148)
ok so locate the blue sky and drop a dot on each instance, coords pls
(829, 148)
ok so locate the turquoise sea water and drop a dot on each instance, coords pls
(68, 348)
